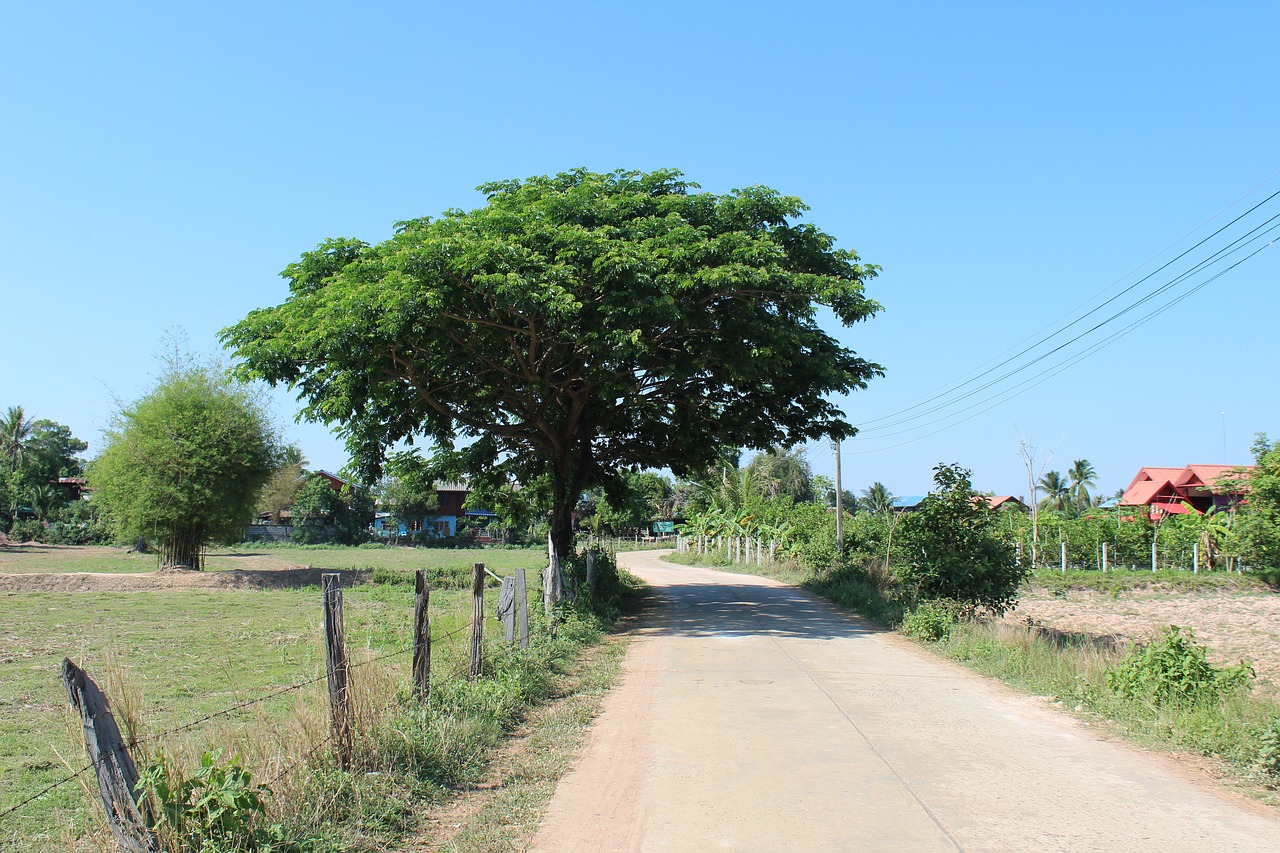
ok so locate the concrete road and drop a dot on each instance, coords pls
(753, 716)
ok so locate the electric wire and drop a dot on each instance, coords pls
(1220, 255)
(1017, 390)
(954, 387)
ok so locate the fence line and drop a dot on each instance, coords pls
(141, 740)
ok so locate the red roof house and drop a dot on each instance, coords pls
(1167, 490)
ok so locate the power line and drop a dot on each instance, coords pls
(954, 387)
(1009, 393)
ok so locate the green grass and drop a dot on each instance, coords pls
(184, 654)
(22, 559)
(170, 657)
(509, 817)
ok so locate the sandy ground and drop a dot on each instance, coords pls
(754, 716)
(1233, 625)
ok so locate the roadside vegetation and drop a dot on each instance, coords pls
(168, 658)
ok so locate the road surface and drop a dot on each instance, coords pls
(754, 716)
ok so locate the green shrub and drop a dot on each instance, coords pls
(956, 548)
(1269, 748)
(218, 810)
(931, 620)
(1174, 669)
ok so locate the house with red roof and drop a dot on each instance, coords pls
(1168, 490)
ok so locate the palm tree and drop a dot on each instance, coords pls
(876, 498)
(1056, 491)
(1083, 476)
(15, 429)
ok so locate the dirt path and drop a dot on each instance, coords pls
(291, 578)
(753, 716)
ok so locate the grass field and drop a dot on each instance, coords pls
(182, 654)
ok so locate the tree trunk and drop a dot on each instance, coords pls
(566, 490)
(183, 549)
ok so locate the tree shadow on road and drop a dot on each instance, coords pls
(746, 610)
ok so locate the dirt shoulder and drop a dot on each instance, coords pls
(284, 578)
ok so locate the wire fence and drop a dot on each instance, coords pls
(234, 709)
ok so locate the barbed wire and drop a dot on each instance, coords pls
(64, 780)
(239, 706)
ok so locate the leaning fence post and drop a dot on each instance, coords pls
(421, 637)
(477, 619)
(507, 608)
(337, 667)
(522, 609)
(117, 775)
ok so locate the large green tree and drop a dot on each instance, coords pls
(573, 327)
(184, 465)
(784, 473)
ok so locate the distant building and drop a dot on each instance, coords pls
(1170, 490)
(906, 503)
(1006, 502)
(450, 519)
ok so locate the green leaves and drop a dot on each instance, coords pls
(955, 550)
(187, 461)
(585, 323)
(1175, 668)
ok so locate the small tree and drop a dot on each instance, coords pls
(1255, 535)
(184, 466)
(408, 491)
(322, 513)
(956, 548)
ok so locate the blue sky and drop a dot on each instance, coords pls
(1004, 163)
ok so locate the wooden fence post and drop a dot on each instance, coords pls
(591, 572)
(421, 637)
(477, 619)
(522, 609)
(338, 668)
(117, 775)
(507, 608)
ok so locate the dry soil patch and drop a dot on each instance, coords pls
(1233, 625)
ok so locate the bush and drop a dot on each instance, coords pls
(1174, 669)
(956, 550)
(1269, 748)
(218, 810)
(27, 531)
(932, 620)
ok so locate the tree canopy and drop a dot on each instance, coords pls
(1255, 536)
(185, 465)
(574, 327)
(38, 453)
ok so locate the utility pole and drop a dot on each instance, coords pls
(835, 447)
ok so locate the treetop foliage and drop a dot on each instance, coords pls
(576, 325)
(185, 464)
